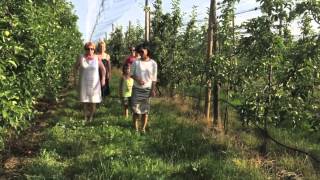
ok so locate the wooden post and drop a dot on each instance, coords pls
(209, 55)
(216, 84)
(212, 48)
(128, 32)
(147, 22)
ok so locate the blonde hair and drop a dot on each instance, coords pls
(87, 44)
(100, 44)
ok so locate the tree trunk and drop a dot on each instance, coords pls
(266, 113)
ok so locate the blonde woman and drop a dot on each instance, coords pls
(90, 84)
(105, 58)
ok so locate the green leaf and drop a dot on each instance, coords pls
(2, 77)
(13, 63)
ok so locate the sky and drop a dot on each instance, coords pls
(120, 12)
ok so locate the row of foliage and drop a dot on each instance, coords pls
(119, 43)
(38, 45)
(271, 73)
(276, 75)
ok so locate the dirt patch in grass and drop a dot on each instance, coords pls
(19, 149)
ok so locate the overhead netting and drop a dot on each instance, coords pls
(109, 11)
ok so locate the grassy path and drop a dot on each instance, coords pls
(174, 146)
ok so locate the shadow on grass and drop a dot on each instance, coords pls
(178, 139)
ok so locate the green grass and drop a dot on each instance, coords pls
(174, 146)
(282, 159)
(108, 148)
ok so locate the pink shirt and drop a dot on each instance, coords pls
(130, 60)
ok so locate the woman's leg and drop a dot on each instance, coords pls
(85, 111)
(135, 118)
(126, 111)
(92, 111)
(144, 119)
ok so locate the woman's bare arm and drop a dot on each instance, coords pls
(103, 73)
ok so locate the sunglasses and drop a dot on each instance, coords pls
(87, 49)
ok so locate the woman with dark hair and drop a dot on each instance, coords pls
(144, 74)
(90, 84)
